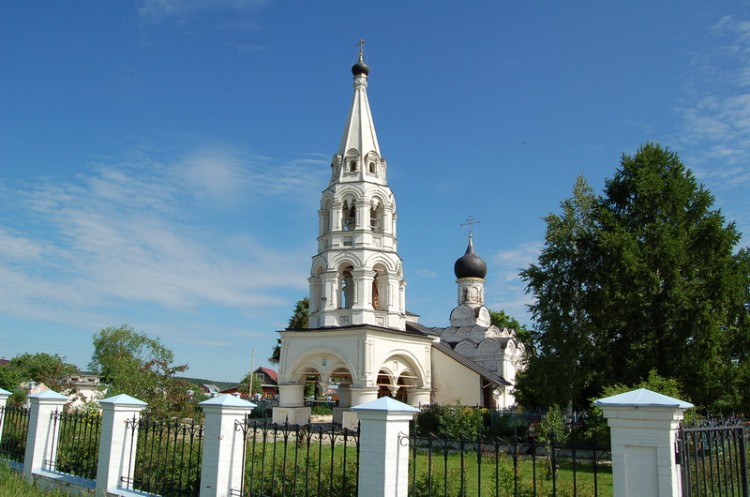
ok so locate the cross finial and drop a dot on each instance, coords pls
(469, 222)
(361, 44)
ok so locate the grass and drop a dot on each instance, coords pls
(12, 484)
(289, 469)
(497, 476)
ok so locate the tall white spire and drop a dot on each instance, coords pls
(359, 132)
(356, 277)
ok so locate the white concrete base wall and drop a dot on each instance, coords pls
(291, 415)
(349, 420)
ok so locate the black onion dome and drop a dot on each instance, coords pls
(470, 265)
(360, 68)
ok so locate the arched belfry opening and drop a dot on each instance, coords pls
(347, 288)
(349, 215)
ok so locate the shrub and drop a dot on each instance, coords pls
(459, 422)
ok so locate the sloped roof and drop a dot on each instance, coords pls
(480, 370)
(270, 373)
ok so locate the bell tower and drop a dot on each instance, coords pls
(357, 276)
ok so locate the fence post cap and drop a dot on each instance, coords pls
(642, 398)
(386, 404)
(48, 395)
(123, 399)
(227, 400)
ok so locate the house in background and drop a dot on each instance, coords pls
(82, 389)
(268, 384)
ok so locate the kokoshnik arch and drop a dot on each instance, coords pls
(360, 336)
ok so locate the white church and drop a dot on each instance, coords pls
(361, 338)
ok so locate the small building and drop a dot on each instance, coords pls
(268, 384)
(82, 389)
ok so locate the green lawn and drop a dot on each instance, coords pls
(496, 476)
(290, 469)
(13, 485)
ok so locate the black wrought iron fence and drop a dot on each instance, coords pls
(284, 460)
(77, 449)
(715, 459)
(167, 457)
(15, 430)
(497, 467)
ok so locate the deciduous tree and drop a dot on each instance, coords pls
(50, 369)
(140, 366)
(560, 371)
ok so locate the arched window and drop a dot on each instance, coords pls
(372, 167)
(379, 288)
(376, 215)
(353, 166)
(347, 288)
(375, 293)
(349, 216)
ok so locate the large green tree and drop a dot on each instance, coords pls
(647, 276)
(140, 366)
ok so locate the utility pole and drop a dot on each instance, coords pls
(252, 373)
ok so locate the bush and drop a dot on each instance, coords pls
(505, 424)
(459, 422)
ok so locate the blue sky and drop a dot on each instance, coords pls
(161, 161)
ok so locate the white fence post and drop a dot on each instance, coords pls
(4, 394)
(117, 442)
(222, 473)
(384, 447)
(41, 440)
(643, 426)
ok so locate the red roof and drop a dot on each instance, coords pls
(270, 373)
(3, 362)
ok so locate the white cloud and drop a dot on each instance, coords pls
(507, 290)
(508, 263)
(135, 233)
(158, 10)
(425, 273)
(716, 109)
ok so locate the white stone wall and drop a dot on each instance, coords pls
(453, 382)
(360, 352)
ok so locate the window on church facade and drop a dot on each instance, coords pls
(350, 217)
(347, 288)
(374, 221)
(375, 294)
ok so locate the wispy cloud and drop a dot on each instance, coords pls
(716, 107)
(507, 290)
(143, 232)
(158, 10)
